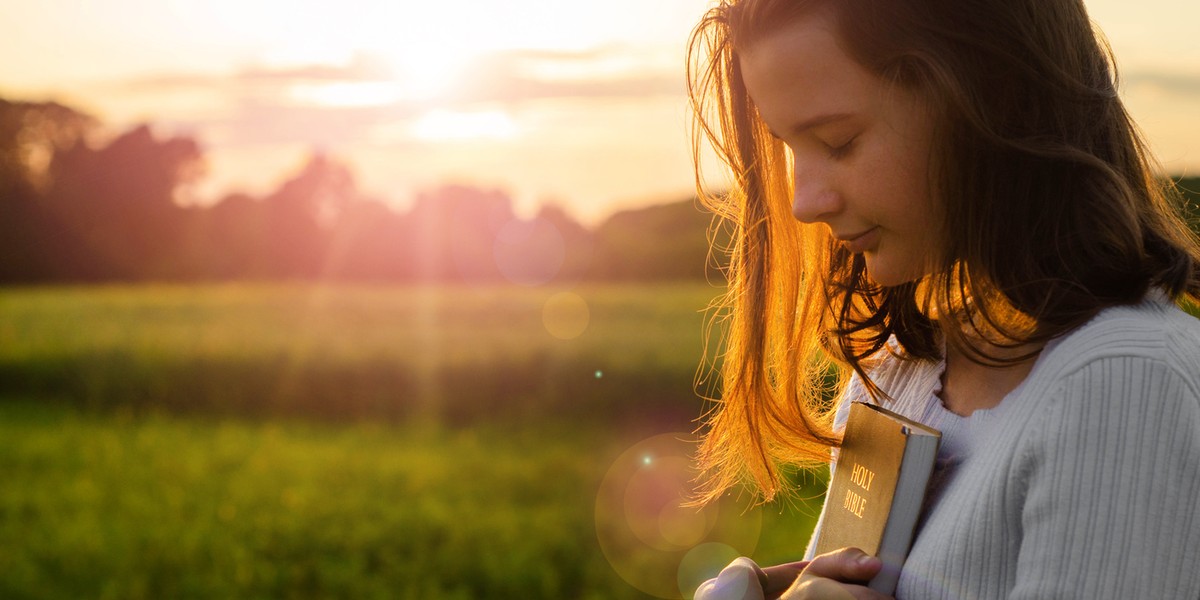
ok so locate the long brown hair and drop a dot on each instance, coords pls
(1052, 204)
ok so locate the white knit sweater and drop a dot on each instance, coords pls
(1084, 482)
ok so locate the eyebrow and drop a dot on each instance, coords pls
(813, 123)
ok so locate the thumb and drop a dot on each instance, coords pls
(741, 580)
(845, 565)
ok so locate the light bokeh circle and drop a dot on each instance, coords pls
(566, 315)
(654, 505)
(654, 542)
(703, 562)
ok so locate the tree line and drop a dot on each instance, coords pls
(74, 210)
(77, 210)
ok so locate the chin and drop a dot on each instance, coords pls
(883, 276)
(891, 282)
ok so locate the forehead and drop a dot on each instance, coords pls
(801, 70)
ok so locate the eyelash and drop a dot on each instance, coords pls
(841, 151)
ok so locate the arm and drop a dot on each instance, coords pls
(1113, 483)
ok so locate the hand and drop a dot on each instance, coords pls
(833, 576)
(781, 577)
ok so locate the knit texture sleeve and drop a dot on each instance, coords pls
(1113, 483)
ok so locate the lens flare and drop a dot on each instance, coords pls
(704, 562)
(566, 316)
(654, 497)
(652, 540)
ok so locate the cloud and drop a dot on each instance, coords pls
(518, 76)
(255, 122)
(506, 77)
(362, 68)
(333, 105)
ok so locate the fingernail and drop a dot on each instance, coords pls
(866, 560)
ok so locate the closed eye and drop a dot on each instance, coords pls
(842, 150)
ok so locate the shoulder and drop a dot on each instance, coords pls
(1132, 373)
(1153, 332)
(1111, 435)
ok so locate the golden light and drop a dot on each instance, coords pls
(442, 125)
(433, 76)
(349, 94)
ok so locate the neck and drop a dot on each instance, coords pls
(968, 386)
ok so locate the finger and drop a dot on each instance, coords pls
(780, 577)
(810, 587)
(846, 565)
(740, 580)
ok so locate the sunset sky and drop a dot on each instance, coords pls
(577, 103)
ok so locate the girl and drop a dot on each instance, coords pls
(946, 204)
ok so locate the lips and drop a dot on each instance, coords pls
(862, 241)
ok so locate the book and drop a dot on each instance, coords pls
(878, 488)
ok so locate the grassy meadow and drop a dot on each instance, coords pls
(450, 354)
(280, 441)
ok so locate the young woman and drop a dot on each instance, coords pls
(946, 204)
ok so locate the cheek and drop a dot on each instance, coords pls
(907, 179)
(898, 189)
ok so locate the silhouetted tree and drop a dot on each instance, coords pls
(76, 211)
(368, 243)
(578, 242)
(450, 234)
(225, 240)
(120, 201)
(667, 241)
(299, 215)
(312, 226)
(31, 133)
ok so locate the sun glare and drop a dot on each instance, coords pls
(431, 77)
(428, 63)
(442, 125)
(349, 94)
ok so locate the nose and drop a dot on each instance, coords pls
(814, 198)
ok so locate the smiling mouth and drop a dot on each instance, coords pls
(861, 241)
(855, 236)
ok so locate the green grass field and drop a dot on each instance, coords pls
(453, 354)
(304, 441)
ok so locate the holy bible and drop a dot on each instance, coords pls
(878, 487)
